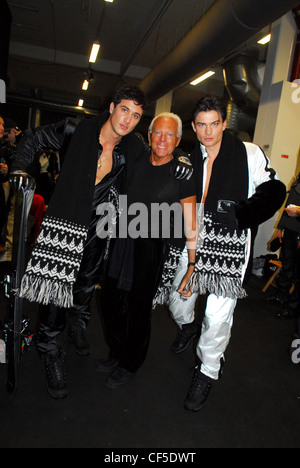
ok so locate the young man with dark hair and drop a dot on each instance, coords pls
(207, 104)
(236, 189)
(65, 264)
(129, 93)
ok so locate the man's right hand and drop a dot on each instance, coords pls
(21, 181)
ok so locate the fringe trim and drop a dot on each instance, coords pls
(162, 297)
(46, 291)
(220, 286)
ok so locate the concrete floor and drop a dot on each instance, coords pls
(255, 405)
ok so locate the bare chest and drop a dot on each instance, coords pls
(104, 165)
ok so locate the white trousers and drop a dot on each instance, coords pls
(216, 325)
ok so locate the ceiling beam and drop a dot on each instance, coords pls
(59, 57)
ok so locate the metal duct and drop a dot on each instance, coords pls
(240, 121)
(233, 113)
(243, 82)
(225, 26)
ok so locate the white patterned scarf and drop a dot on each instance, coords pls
(221, 258)
(51, 271)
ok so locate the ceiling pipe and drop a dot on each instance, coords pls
(50, 105)
(160, 10)
(224, 27)
(243, 82)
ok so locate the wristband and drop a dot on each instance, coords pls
(192, 264)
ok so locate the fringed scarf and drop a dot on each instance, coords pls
(170, 264)
(220, 260)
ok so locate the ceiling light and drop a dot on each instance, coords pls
(111, 1)
(85, 85)
(94, 52)
(265, 40)
(203, 77)
(80, 103)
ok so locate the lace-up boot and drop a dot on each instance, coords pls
(119, 377)
(185, 335)
(54, 362)
(198, 391)
(76, 335)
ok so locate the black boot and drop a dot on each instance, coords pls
(54, 362)
(106, 366)
(76, 334)
(185, 335)
(119, 377)
(198, 391)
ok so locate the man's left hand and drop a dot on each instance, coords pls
(182, 168)
(293, 211)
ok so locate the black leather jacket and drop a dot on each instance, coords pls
(56, 136)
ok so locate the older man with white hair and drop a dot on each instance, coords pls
(136, 262)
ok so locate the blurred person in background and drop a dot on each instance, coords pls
(3, 178)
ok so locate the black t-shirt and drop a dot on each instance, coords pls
(153, 199)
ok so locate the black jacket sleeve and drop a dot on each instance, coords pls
(266, 201)
(55, 136)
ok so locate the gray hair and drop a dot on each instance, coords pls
(171, 116)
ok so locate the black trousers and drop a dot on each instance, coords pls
(290, 273)
(127, 315)
(53, 319)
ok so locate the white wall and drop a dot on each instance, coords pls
(278, 121)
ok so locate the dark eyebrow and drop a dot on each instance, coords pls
(125, 107)
(204, 123)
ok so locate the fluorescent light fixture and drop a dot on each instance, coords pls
(265, 40)
(94, 52)
(110, 1)
(85, 85)
(203, 77)
(80, 103)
